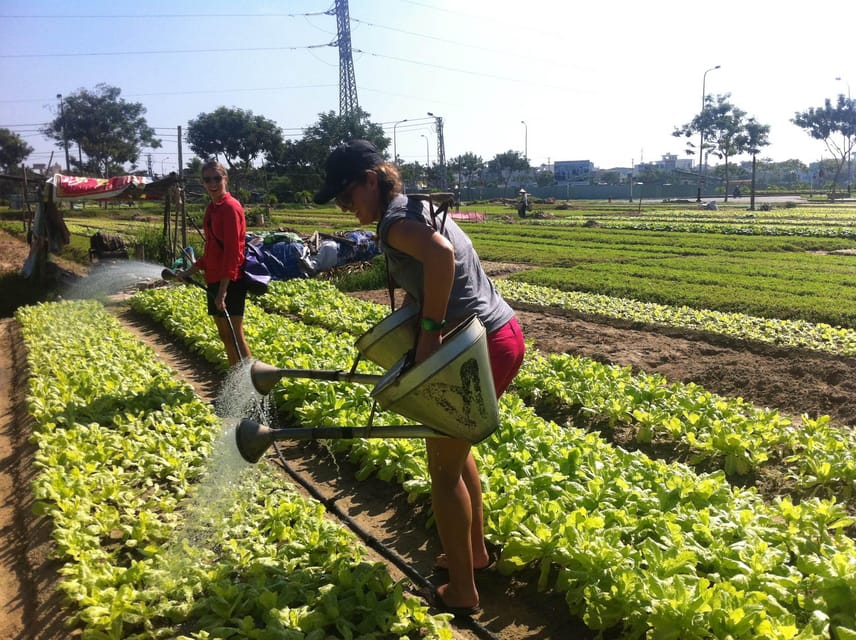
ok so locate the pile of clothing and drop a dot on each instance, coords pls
(288, 255)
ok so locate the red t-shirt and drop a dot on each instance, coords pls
(225, 233)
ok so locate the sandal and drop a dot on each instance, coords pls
(435, 601)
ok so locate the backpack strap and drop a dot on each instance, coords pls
(438, 204)
(210, 228)
(390, 284)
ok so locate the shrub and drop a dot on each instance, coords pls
(362, 276)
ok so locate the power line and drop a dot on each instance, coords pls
(508, 52)
(466, 71)
(158, 51)
(167, 15)
(518, 25)
(192, 92)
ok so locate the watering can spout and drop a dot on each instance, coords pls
(265, 376)
(253, 439)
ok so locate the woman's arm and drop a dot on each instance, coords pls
(438, 270)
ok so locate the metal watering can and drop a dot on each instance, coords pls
(451, 394)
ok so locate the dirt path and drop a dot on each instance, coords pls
(792, 381)
(378, 511)
(31, 606)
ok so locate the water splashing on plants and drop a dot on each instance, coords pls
(110, 278)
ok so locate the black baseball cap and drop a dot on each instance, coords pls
(346, 163)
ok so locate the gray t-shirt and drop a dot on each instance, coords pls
(472, 291)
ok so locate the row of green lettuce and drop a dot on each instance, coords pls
(818, 458)
(814, 457)
(788, 333)
(724, 228)
(160, 534)
(637, 546)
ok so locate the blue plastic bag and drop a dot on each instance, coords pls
(255, 274)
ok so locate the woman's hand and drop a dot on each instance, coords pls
(428, 343)
(220, 300)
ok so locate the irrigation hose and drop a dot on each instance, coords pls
(372, 542)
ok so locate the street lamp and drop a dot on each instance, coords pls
(849, 141)
(162, 169)
(525, 140)
(701, 132)
(394, 144)
(427, 158)
(64, 136)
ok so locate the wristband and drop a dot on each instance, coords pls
(432, 325)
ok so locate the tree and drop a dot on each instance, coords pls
(545, 178)
(193, 167)
(13, 150)
(304, 160)
(236, 135)
(824, 123)
(651, 174)
(756, 139)
(467, 165)
(721, 127)
(109, 130)
(412, 172)
(505, 164)
(609, 177)
(331, 130)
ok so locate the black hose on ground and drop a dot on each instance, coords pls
(373, 543)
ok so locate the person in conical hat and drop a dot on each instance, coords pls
(523, 205)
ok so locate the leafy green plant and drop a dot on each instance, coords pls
(637, 546)
(129, 470)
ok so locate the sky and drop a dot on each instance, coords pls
(553, 79)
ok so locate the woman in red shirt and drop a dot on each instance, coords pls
(225, 232)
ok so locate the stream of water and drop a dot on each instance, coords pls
(227, 477)
(111, 278)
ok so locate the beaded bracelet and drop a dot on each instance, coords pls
(432, 325)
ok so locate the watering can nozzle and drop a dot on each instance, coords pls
(253, 439)
(265, 377)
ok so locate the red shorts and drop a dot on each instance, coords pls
(505, 349)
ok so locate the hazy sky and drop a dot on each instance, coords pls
(602, 81)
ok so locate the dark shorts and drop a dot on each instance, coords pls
(236, 298)
(505, 348)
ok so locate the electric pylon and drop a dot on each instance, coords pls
(348, 103)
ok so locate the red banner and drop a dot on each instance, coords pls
(76, 188)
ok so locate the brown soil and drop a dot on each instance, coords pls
(792, 381)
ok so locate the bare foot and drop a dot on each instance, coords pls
(481, 561)
(446, 600)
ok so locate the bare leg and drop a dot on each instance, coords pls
(452, 504)
(238, 324)
(472, 481)
(229, 340)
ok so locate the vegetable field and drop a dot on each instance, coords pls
(661, 499)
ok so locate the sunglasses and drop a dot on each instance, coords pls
(345, 199)
(212, 178)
